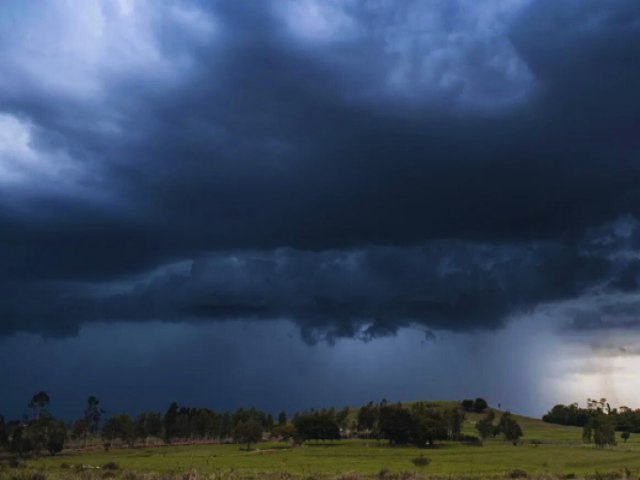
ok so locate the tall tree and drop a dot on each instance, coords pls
(367, 418)
(282, 418)
(91, 417)
(485, 426)
(268, 422)
(20, 443)
(140, 428)
(454, 419)
(480, 405)
(92, 413)
(315, 425)
(467, 404)
(601, 428)
(4, 434)
(122, 427)
(248, 431)
(509, 428)
(342, 417)
(169, 421)
(430, 425)
(154, 424)
(396, 424)
(56, 436)
(38, 403)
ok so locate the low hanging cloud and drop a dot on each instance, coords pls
(365, 292)
(354, 168)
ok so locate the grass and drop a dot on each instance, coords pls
(560, 452)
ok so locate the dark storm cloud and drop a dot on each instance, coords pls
(366, 293)
(395, 137)
(363, 293)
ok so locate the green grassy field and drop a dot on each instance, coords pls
(560, 453)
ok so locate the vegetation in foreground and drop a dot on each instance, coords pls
(340, 459)
(434, 439)
(382, 475)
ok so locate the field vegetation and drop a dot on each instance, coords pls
(393, 441)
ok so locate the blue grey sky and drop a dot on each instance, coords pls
(289, 203)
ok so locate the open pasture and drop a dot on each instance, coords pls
(560, 451)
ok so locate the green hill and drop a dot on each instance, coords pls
(533, 428)
(559, 452)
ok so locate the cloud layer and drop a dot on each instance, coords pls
(354, 168)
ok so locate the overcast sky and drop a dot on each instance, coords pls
(295, 203)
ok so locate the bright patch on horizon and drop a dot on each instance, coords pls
(584, 373)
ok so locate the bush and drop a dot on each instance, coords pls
(55, 444)
(110, 466)
(517, 473)
(421, 461)
(65, 465)
(480, 405)
(613, 475)
(350, 476)
(33, 476)
(133, 476)
(191, 475)
(15, 463)
(467, 405)
(57, 437)
(469, 439)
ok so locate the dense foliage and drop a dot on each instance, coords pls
(420, 424)
(599, 420)
(508, 427)
(321, 425)
(478, 405)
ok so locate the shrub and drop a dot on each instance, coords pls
(470, 440)
(110, 466)
(15, 463)
(421, 461)
(480, 405)
(613, 475)
(350, 476)
(517, 473)
(467, 405)
(191, 475)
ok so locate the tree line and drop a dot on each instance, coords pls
(599, 421)
(421, 424)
